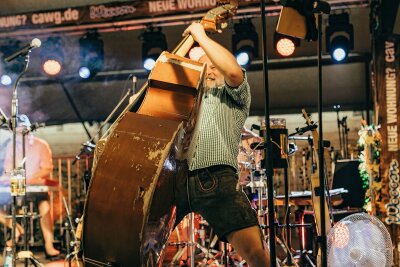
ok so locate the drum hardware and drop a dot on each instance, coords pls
(292, 149)
(305, 258)
(18, 189)
(70, 229)
(192, 244)
(211, 256)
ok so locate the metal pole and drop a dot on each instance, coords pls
(267, 161)
(324, 262)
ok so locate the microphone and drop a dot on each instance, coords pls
(304, 129)
(33, 127)
(35, 43)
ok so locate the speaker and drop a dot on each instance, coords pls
(347, 176)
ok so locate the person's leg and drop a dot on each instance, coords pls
(248, 242)
(46, 224)
(228, 211)
(8, 222)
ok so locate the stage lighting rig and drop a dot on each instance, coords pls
(245, 42)
(285, 45)
(91, 54)
(339, 37)
(10, 70)
(52, 56)
(153, 43)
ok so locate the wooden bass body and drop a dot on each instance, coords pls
(129, 211)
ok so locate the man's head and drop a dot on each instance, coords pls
(214, 77)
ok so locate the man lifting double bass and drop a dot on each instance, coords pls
(174, 151)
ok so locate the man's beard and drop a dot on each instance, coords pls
(211, 83)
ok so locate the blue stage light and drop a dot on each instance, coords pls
(339, 37)
(154, 43)
(149, 63)
(84, 72)
(5, 80)
(245, 42)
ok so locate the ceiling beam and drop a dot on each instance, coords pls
(164, 21)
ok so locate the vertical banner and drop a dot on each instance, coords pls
(387, 85)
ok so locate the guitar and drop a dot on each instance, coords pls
(315, 188)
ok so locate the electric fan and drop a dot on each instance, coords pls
(359, 240)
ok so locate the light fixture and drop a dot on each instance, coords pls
(339, 37)
(153, 43)
(245, 42)
(91, 54)
(52, 56)
(10, 70)
(285, 45)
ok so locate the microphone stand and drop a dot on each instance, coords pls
(345, 136)
(266, 132)
(14, 114)
(322, 237)
(337, 109)
(20, 188)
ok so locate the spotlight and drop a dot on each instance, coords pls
(5, 80)
(91, 54)
(10, 70)
(285, 45)
(153, 43)
(52, 56)
(245, 42)
(339, 37)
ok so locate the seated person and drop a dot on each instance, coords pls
(38, 167)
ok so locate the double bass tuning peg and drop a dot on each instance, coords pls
(224, 25)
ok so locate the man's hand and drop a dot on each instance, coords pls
(197, 31)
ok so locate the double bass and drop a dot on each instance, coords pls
(129, 210)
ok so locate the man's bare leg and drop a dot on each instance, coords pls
(248, 242)
(46, 224)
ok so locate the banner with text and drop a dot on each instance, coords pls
(108, 12)
(387, 82)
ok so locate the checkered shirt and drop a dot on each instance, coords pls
(224, 111)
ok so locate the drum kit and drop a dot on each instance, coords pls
(192, 242)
